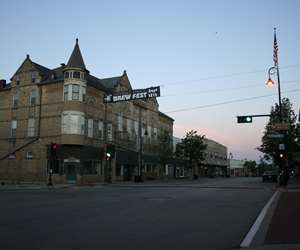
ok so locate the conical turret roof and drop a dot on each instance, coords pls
(76, 60)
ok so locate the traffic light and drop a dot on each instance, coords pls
(53, 150)
(110, 151)
(244, 119)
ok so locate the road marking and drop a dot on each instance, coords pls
(253, 230)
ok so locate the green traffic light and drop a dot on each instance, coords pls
(244, 119)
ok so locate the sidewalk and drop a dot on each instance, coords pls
(285, 224)
(281, 231)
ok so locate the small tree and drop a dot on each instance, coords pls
(193, 146)
(269, 145)
(251, 167)
(165, 147)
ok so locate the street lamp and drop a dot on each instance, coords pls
(275, 70)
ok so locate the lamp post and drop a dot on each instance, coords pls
(275, 70)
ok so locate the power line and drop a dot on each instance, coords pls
(227, 102)
(222, 89)
(225, 76)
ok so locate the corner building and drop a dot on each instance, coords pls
(65, 106)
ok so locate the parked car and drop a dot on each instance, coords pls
(270, 176)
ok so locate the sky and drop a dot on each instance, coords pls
(207, 56)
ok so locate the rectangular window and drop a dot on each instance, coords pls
(17, 80)
(83, 93)
(66, 92)
(13, 128)
(100, 129)
(120, 122)
(155, 133)
(136, 127)
(30, 127)
(66, 75)
(75, 92)
(29, 155)
(129, 127)
(32, 97)
(90, 128)
(15, 100)
(76, 74)
(34, 76)
(73, 123)
(109, 132)
(149, 132)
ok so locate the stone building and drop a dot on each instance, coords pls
(66, 106)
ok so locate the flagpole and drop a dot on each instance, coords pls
(278, 80)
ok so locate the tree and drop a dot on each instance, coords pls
(165, 147)
(270, 146)
(251, 167)
(193, 146)
(263, 166)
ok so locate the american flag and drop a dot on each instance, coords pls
(275, 55)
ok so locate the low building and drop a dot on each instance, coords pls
(65, 107)
(237, 168)
(215, 161)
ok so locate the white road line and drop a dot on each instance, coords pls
(250, 235)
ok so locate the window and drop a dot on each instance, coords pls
(109, 132)
(129, 127)
(67, 75)
(33, 96)
(155, 133)
(90, 127)
(120, 122)
(15, 100)
(83, 93)
(66, 92)
(29, 155)
(73, 122)
(76, 74)
(75, 92)
(34, 76)
(30, 127)
(100, 129)
(13, 128)
(136, 127)
(89, 167)
(17, 79)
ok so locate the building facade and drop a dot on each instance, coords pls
(215, 161)
(65, 106)
(237, 168)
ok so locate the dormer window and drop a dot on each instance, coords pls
(17, 79)
(34, 76)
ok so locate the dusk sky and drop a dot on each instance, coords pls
(201, 53)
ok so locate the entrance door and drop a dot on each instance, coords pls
(71, 173)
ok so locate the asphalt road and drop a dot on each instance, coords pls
(210, 215)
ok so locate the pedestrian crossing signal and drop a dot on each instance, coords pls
(244, 119)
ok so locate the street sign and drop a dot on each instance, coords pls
(135, 94)
(276, 136)
(281, 146)
(280, 126)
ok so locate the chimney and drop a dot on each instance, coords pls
(2, 83)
